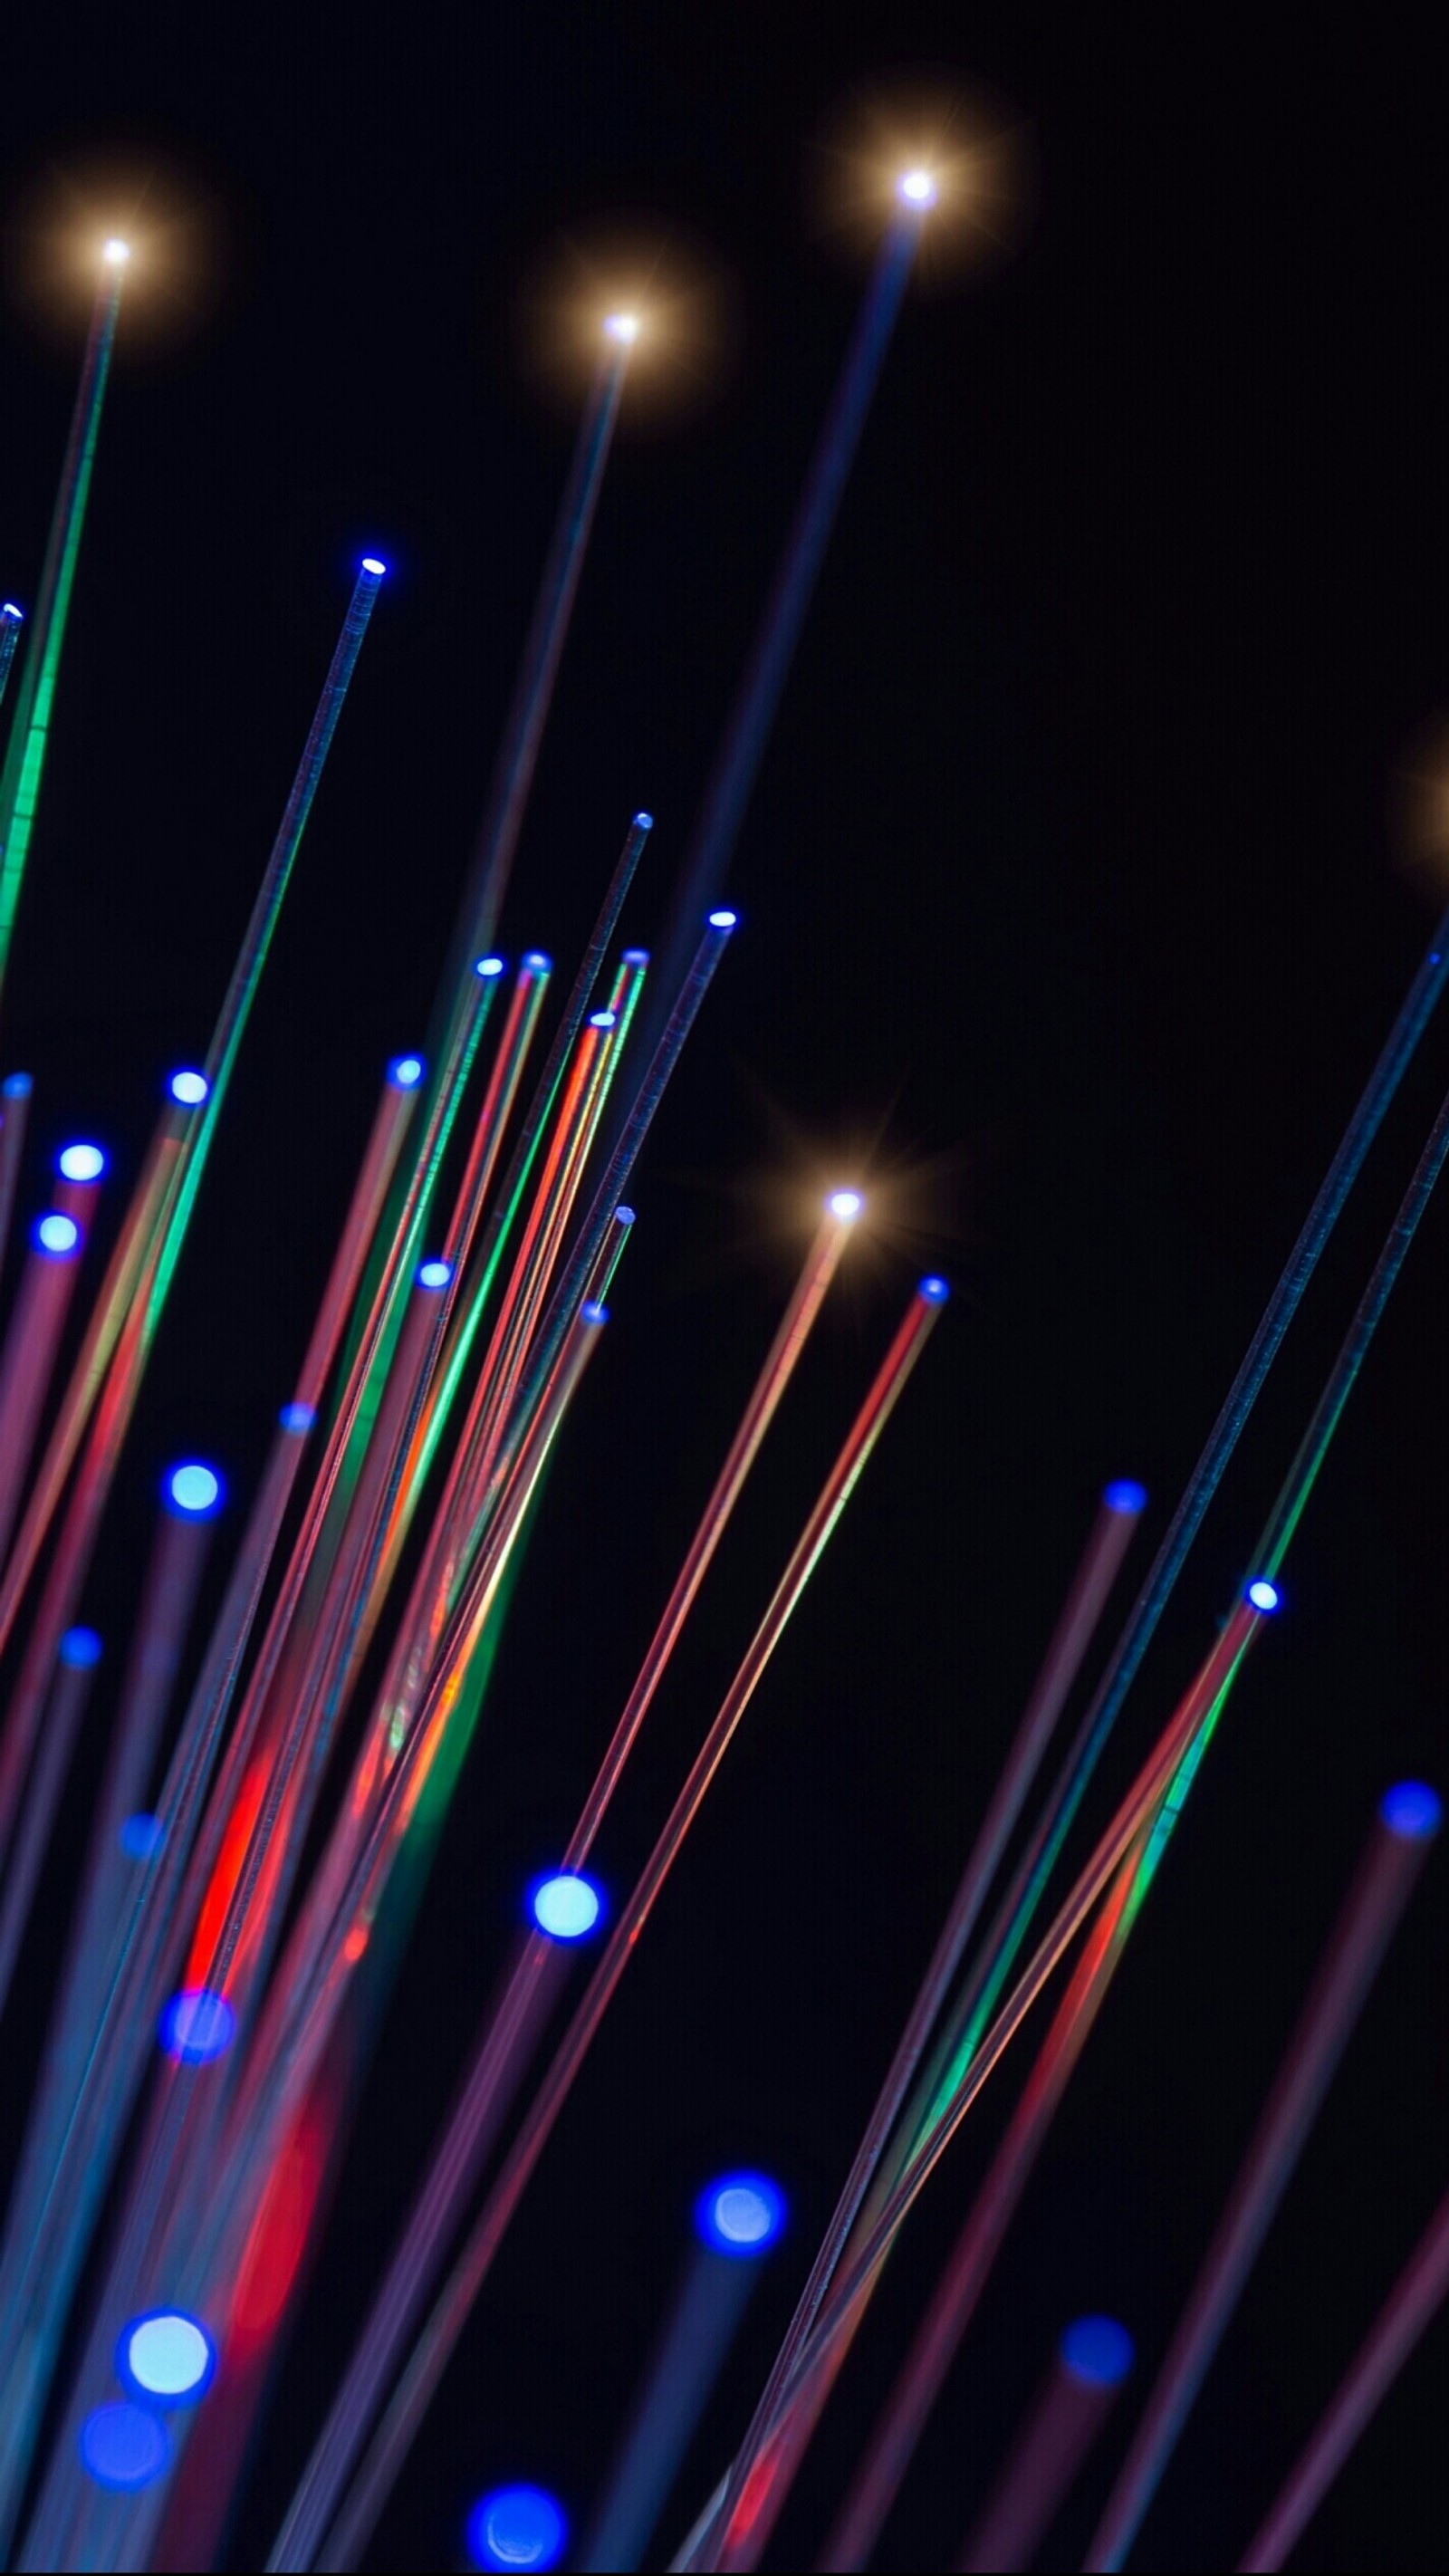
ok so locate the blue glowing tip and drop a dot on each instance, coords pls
(934, 1290)
(516, 2527)
(405, 1072)
(166, 2357)
(196, 2026)
(194, 1490)
(10, 610)
(623, 1216)
(16, 1086)
(374, 564)
(80, 1648)
(1411, 1809)
(141, 1837)
(81, 1163)
(123, 2447)
(595, 1313)
(1097, 2350)
(643, 822)
(189, 1087)
(488, 967)
(297, 1417)
(741, 2214)
(1263, 1594)
(723, 920)
(537, 963)
(1125, 1496)
(565, 1907)
(56, 1235)
(635, 957)
(434, 1274)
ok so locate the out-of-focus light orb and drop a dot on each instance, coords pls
(194, 1490)
(81, 1163)
(934, 1289)
(741, 2214)
(1097, 2350)
(123, 2447)
(1126, 1495)
(141, 1837)
(488, 967)
(516, 2527)
(1263, 1594)
(57, 1234)
(373, 564)
(166, 2355)
(196, 2026)
(81, 1648)
(723, 920)
(602, 1019)
(297, 1417)
(917, 187)
(845, 1204)
(116, 254)
(566, 1907)
(434, 1274)
(1412, 1810)
(189, 1087)
(594, 1314)
(537, 963)
(16, 1086)
(623, 327)
(405, 1072)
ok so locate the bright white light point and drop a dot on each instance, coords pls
(373, 563)
(82, 1163)
(845, 1204)
(168, 2356)
(189, 1088)
(117, 253)
(623, 326)
(918, 188)
(565, 1907)
(744, 2216)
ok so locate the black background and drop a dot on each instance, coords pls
(1071, 918)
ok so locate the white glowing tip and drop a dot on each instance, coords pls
(117, 253)
(845, 1204)
(169, 2355)
(918, 188)
(623, 326)
(373, 564)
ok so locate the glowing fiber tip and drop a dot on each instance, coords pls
(845, 1204)
(1125, 1496)
(635, 957)
(374, 564)
(601, 1019)
(405, 1072)
(934, 1290)
(565, 1907)
(741, 2214)
(56, 1235)
(17, 1086)
(537, 963)
(434, 1274)
(196, 2026)
(516, 2527)
(623, 1216)
(189, 1087)
(116, 253)
(1411, 1809)
(123, 2447)
(81, 1163)
(642, 822)
(1097, 2350)
(624, 327)
(1263, 1595)
(594, 1314)
(488, 966)
(167, 2355)
(141, 1837)
(723, 920)
(10, 610)
(194, 1490)
(917, 187)
(80, 1648)
(297, 1417)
